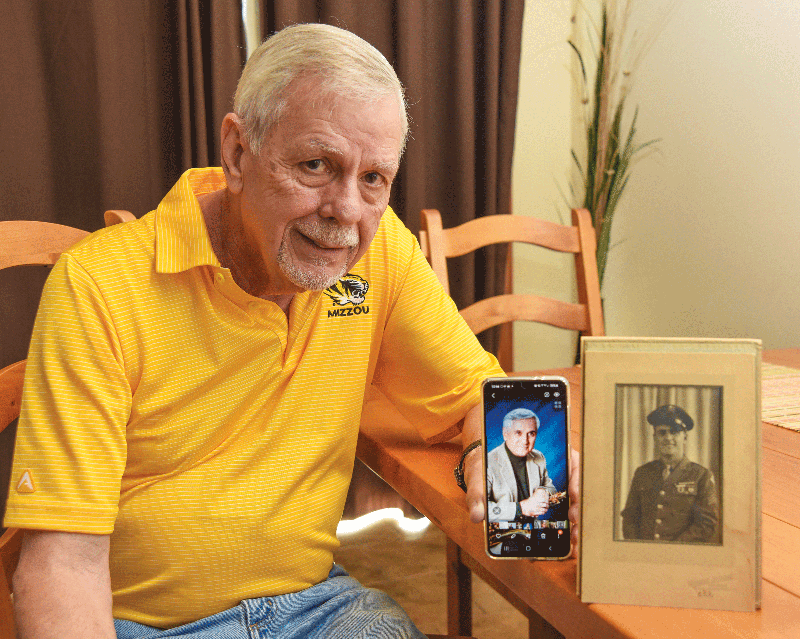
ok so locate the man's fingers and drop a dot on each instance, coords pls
(574, 472)
(574, 483)
(574, 496)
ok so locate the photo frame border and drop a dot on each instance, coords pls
(726, 576)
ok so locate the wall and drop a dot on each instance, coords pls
(540, 173)
(710, 226)
(706, 236)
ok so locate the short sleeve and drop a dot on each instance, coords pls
(430, 365)
(70, 449)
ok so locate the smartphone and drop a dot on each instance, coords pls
(526, 467)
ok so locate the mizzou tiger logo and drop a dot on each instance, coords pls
(351, 289)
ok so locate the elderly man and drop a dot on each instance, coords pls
(171, 467)
(517, 482)
(671, 498)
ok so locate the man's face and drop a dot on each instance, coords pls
(311, 202)
(669, 446)
(521, 436)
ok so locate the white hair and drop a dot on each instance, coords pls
(516, 415)
(345, 64)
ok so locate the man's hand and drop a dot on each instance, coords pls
(574, 495)
(473, 465)
(537, 504)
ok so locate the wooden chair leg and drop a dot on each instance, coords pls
(459, 593)
(540, 628)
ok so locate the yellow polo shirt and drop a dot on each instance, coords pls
(211, 435)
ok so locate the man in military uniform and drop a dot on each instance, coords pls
(672, 498)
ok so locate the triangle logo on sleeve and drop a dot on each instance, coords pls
(25, 483)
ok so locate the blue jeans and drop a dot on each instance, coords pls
(337, 608)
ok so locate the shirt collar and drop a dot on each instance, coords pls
(674, 465)
(182, 240)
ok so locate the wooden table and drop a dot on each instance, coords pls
(424, 476)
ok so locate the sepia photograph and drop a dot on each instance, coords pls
(667, 462)
(671, 480)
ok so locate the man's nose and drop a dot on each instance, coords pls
(343, 200)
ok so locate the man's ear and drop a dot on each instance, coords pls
(233, 145)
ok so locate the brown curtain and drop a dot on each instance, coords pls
(104, 104)
(459, 62)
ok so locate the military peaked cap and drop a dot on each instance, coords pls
(673, 416)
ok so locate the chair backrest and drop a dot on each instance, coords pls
(27, 243)
(23, 242)
(438, 244)
(117, 216)
(10, 395)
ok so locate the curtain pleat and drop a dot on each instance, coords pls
(104, 105)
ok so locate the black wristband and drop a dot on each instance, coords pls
(459, 470)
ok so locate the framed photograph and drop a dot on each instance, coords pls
(671, 479)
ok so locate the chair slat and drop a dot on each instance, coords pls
(27, 242)
(509, 308)
(500, 229)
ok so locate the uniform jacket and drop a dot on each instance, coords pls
(683, 507)
(501, 485)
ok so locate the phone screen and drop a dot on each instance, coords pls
(526, 460)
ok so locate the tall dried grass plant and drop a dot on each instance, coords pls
(608, 57)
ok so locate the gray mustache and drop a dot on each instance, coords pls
(331, 233)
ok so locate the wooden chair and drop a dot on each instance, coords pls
(438, 244)
(10, 395)
(27, 243)
(586, 316)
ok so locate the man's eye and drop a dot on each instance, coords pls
(373, 178)
(314, 165)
